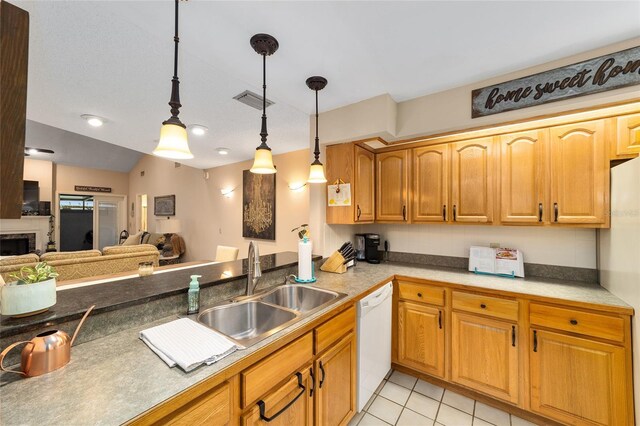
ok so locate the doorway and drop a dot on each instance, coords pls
(90, 221)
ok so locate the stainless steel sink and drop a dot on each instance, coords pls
(246, 322)
(257, 317)
(299, 298)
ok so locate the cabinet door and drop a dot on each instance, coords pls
(392, 178)
(336, 378)
(472, 181)
(364, 187)
(628, 137)
(579, 173)
(339, 165)
(485, 355)
(421, 338)
(523, 178)
(291, 404)
(576, 380)
(430, 189)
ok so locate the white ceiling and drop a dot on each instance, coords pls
(114, 59)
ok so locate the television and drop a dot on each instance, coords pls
(30, 197)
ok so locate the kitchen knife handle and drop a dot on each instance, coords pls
(539, 212)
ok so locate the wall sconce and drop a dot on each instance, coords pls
(297, 186)
(227, 192)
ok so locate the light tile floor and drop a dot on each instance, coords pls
(404, 400)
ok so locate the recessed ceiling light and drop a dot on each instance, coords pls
(198, 129)
(31, 151)
(223, 151)
(93, 120)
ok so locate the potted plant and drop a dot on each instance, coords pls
(33, 292)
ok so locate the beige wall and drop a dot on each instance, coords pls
(43, 172)
(449, 111)
(67, 177)
(209, 219)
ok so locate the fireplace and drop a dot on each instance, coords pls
(16, 244)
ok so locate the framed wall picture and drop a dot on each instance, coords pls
(258, 206)
(164, 205)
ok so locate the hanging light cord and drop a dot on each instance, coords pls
(263, 131)
(174, 103)
(316, 153)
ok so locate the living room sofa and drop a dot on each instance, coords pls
(73, 265)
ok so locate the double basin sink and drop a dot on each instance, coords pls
(257, 317)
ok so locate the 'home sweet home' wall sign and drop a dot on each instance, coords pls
(607, 72)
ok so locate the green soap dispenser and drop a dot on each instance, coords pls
(194, 295)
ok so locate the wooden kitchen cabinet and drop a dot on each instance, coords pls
(578, 381)
(579, 173)
(336, 383)
(364, 193)
(523, 182)
(356, 166)
(628, 136)
(430, 184)
(291, 404)
(392, 186)
(421, 337)
(472, 180)
(484, 355)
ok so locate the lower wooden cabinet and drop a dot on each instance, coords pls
(336, 383)
(484, 355)
(291, 404)
(421, 337)
(578, 381)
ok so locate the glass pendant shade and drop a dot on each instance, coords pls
(173, 143)
(316, 174)
(263, 162)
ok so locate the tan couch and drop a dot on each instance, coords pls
(73, 265)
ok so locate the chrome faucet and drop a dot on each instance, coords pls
(254, 273)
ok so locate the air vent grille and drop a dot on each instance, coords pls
(252, 99)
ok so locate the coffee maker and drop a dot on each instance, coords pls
(371, 243)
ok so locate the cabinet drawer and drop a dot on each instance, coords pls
(263, 375)
(421, 293)
(332, 330)
(588, 323)
(486, 305)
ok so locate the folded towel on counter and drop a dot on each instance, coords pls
(186, 343)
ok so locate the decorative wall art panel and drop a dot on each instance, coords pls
(258, 205)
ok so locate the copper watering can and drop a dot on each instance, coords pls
(46, 352)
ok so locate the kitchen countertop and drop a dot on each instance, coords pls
(115, 378)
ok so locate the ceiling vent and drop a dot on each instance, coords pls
(252, 99)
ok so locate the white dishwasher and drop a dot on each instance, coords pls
(374, 341)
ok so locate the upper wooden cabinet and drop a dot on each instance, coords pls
(523, 178)
(14, 50)
(472, 180)
(364, 193)
(354, 165)
(430, 184)
(392, 189)
(579, 173)
(628, 135)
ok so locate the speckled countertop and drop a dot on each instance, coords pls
(115, 378)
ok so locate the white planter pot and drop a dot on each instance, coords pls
(27, 299)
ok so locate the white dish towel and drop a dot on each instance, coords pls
(186, 343)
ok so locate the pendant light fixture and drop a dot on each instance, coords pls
(264, 45)
(173, 141)
(316, 172)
